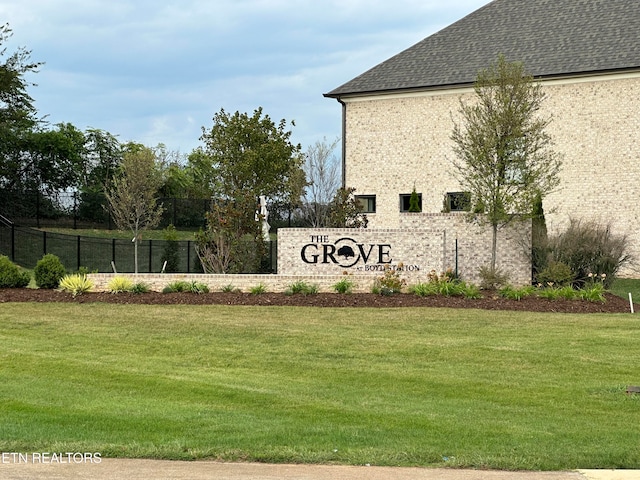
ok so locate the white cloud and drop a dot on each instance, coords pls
(157, 70)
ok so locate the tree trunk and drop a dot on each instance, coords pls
(135, 253)
(494, 245)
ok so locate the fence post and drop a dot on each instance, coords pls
(113, 250)
(38, 209)
(13, 242)
(150, 256)
(44, 242)
(78, 247)
(188, 256)
(174, 223)
(75, 211)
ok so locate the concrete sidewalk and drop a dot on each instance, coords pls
(126, 469)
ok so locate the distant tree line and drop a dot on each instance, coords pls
(242, 156)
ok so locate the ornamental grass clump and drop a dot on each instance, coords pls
(512, 293)
(189, 287)
(140, 287)
(75, 284)
(344, 286)
(301, 287)
(446, 283)
(593, 289)
(258, 289)
(120, 285)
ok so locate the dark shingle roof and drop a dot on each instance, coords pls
(551, 38)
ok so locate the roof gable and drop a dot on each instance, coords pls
(551, 38)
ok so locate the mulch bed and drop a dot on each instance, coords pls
(490, 300)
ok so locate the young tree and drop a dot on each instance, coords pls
(414, 202)
(504, 155)
(252, 154)
(323, 174)
(249, 156)
(345, 211)
(132, 195)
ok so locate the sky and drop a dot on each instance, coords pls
(156, 71)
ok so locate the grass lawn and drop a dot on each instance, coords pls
(463, 388)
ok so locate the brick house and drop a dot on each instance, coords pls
(399, 115)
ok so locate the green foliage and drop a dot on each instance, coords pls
(253, 154)
(140, 287)
(555, 273)
(414, 201)
(301, 287)
(171, 247)
(567, 292)
(345, 211)
(590, 248)
(513, 293)
(230, 243)
(445, 284)
(11, 276)
(492, 278)
(550, 293)
(258, 289)
(180, 286)
(504, 155)
(48, 272)
(229, 288)
(539, 238)
(592, 292)
(120, 284)
(390, 283)
(344, 286)
(75, 284)
(85, 270)
(132, 196)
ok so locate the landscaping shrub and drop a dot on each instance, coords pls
(75, 284)
(301, 287)
(424, 289)
(182, 286)
(258, 289)
(592, 292)
(140, 287)
(555, 273)
(590, 248)
(11, 276)
(446, 284)
(513, 293)
(120, 285)
(492, 279)
(230, 289)
(390, 283)
(49, 271)
(344, 286)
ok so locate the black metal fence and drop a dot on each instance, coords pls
(25, 246)
(88, 210)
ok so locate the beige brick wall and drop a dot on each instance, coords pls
(424, 242)
(272, 283)
(395, 142)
